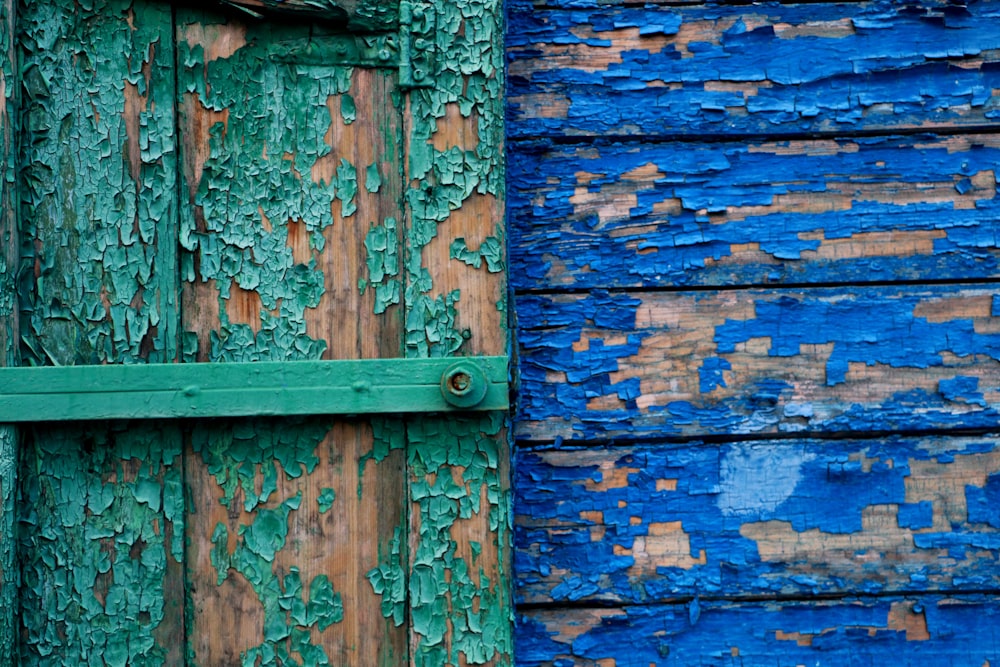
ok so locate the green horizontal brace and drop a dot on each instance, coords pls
(147, 391)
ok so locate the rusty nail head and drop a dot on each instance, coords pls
(464, 384)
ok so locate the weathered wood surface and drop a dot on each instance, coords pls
(756, 361)
(769, 68)
(909, 631)
(283, 185)
(293, 245)
(847, 210)
(98, 183)
(456, 304)
(827, 172)
(743, 519)
(357, 15)
(101, 507)
(9, 328)
(102, 540)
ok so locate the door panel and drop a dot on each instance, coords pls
(102, 541)
(285, 524)
(291, 178)
(101, 506)
(199, 188)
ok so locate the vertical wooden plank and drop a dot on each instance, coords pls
(100, 536)
(292, 227)
(9, 263)
(456, 305)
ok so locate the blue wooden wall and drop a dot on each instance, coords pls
(756, 259)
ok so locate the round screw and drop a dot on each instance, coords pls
(464, 385)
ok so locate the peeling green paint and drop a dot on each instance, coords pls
(98, 181)
(100, 533)
(387, 435)
(245, 460)
(431, 329)
(102, 291)
(9, 572)
(101, 521)
(490, 250)
(373, 179)
(9, 331)
(251, 450)
(348, 111)
(325, 499)
(389, 579)
(256, 181)
(347, 181)
(449, 594)
(382, 250)
(463, 40)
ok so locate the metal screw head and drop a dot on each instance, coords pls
(464, 384)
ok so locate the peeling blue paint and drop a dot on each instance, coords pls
(855, 632)
(800, 358)
(870, 331)
(850, 210)
(586, 522)
(723, 69)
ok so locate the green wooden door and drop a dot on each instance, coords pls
(206, 187)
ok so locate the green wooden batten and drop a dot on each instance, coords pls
(67, 393)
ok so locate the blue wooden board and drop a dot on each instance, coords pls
(743, 519)
(765, 69)
(903, 632)
(825, 360)
(765, 219)
(850, 210)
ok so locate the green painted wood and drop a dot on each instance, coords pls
(152, 391)
(455, 299)
(100, 508)
(359, 15)
(107, 546)
(9, 262)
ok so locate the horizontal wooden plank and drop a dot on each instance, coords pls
(853, 359)
(730, 69)
(847, 210)
(802, 517)
(915, 631)
(147, 391)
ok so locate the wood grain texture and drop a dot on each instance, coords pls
(729, 69)
(847, 210)
(750, 151)
(10, 336)
(769, 518)
(101, 506)
(911, 631)
(289, 170)
(827, 360)
(288, 518)
(459, 542)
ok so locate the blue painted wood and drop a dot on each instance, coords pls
(773, 68)
(800, 517)
(830, 360)
(756, 150)
(905, 632)
(849, 210)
